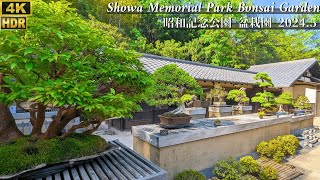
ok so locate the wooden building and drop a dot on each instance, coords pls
(300, 77)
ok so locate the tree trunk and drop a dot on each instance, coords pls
(180, 109)
(8, 128)
(38, 117)
(60, 121)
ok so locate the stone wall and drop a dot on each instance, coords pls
(200, 149)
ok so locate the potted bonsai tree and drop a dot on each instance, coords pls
(239, 96)
(265, 98)
(173, 86)
(284, 99)
(301, 104)
(218, 94)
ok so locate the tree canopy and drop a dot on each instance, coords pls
(67, 62)
(172, 86)
(232, 48)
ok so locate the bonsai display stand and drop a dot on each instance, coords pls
(219, 109)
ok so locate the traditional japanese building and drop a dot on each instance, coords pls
(300, 77)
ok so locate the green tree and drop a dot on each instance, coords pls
(65, 62)
(238, 95)
(285, 98)
(302, 102)
(265, 98)
(263, 80)
(173, 86)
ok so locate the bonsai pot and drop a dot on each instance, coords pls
(182, 120)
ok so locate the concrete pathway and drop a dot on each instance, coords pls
(125, 137)
(309, 161)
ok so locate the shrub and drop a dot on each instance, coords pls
(250, 165)
(228, 169)
(268, 173)
(190, 175)
(302, 102)
(217, 122)
(28, 152)
(248, 177)
(279, 148)
(245, 169)
(261, 114)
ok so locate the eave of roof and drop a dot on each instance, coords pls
(281, 73)
(206, 72)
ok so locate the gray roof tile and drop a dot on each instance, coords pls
(199, 71)
(284, 74)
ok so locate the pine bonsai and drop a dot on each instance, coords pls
(173, 86)
(239, 96)
(284, 99)
(265, 98)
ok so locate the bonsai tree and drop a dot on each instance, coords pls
(284, 99)
(62, 61)
(238, 95)
(218, 92)
(173, 86)
(302, 103)
(263, 80)
(265, 98)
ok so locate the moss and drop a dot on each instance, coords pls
(190, 175)
(28, 152)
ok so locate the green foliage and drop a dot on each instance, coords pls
(285, 98)
(64, 60)
(172, 86)
(238, 96)
(261, 114)
(302, 102)
(266, 99)
(268, 173)
(190, 175)
(228, 169)
(248, 177)
(218, 92)
(279, 147)
(28, 152)
(264, 80)
(250, 165)
(217, 122)
(246, 168)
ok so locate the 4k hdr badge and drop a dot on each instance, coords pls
(14, 14)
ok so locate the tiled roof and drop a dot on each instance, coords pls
(120, 163)
(284, 74)
(200, 71)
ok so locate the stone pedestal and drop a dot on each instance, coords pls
(196, 112)
(245, 110)
(219, 110)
